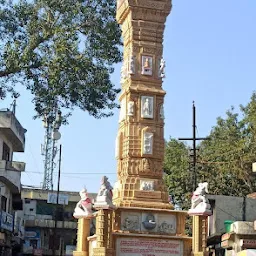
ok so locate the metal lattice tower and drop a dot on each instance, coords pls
(49, 149)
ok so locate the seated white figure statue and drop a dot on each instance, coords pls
(84, 206)
(104, 197)
(199, 203)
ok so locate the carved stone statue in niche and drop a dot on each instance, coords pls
(147, 107)
(145, 164)
(117, 149)
(147, 63)
(122, 111)
(161, 111)
(123, 73)
(148, 143)
(162, 68)
(130, 111)
(131, 65)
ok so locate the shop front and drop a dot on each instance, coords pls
(6, 225)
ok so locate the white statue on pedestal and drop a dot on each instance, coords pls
(199, 203)
(105, 194)
(84, 206)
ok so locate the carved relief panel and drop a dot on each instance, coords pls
(130, 221)
(149, 221)
(148, 185)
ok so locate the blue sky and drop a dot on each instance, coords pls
(210, 54)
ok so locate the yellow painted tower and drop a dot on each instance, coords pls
(140, 139)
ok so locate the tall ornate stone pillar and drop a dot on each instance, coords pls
(104, 233)
(83, 231)
(200, 230)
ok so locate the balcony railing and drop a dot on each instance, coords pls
(15, 166)
(11, 127)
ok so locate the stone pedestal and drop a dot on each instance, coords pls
(200, 229)
(149, 230)
(82, 248)
(104, 233)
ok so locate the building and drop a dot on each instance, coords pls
(12, 139)
(240, 210)
(39, 209)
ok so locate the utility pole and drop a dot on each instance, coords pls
(57, 206)
(194, 139)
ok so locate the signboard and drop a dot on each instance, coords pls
(70, 249)
(7, 221)
(248, 243)
(32, 233)
(148, 247)
(52, 199)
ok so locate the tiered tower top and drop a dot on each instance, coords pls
(140, 138)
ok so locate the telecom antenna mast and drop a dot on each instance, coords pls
(51, 123)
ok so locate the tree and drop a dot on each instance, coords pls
(224, 161)
(176, 167)
(62, 51)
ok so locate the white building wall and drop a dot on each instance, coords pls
(29, 208)
(5, 191)
(230, 208)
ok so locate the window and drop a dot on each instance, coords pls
(31, 209)
(3, 203)
(27, 201)
(6, 152)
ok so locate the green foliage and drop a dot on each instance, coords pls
(61, 50)
(224, 161)
(176, 166)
